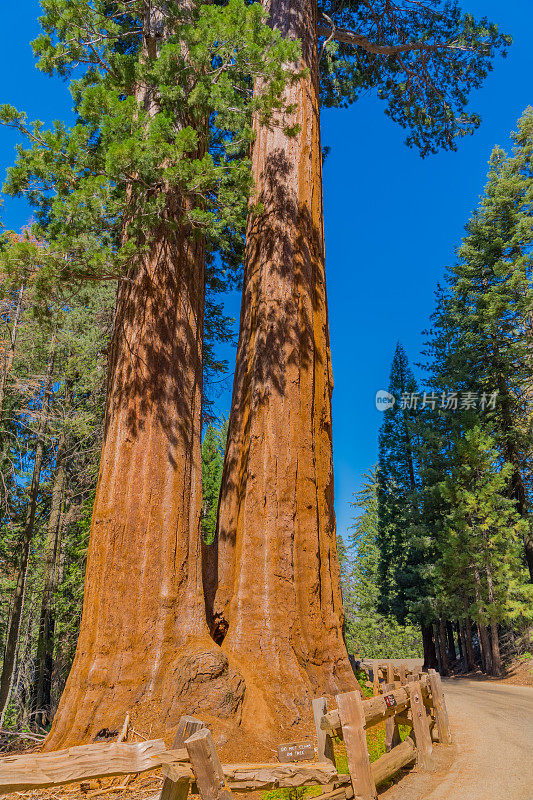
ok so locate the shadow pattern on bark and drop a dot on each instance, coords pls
(278, 607)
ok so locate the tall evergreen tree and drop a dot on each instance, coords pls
(147, 185)
(369, 632)
(479, 558)
(213, 448)
(398, 489)
(277, 491)
(482, 338)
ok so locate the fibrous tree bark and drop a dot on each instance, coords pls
(278, 608)
(144, 647)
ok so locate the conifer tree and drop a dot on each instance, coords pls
(398, 490)
(143, 189)
(277, 491)
(368, 632)
(482, 337)
(213, 448)
(479, 554)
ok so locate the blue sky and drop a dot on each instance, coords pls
(392, 220)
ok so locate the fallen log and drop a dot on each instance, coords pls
(387, 765)
(42, 770)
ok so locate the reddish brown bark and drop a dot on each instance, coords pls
(144, 646)
(278, 606)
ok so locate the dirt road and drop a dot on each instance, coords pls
(492, 756)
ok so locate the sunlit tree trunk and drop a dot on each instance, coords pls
(459, 642)
(278, 607)
(484, 645)
(144, 647)
(494, 642)
(495, 650)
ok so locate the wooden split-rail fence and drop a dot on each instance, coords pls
(192, 764)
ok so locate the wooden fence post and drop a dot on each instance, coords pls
(421, 730)
(392, 731)
(352, 717)
(439, 704)
(325, 744)
(206, 766)
(390, 673)
(403, 674)
(375, 680)
(179, 790)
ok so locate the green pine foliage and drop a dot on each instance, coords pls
(398, 488)
(213, 449)
(454, 478)
(164, 109)
(370, 633)
(480, 570)
(425, 90)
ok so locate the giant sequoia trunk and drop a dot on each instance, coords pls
(278, 607)
(144, 647)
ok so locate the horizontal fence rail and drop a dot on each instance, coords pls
(192, 764)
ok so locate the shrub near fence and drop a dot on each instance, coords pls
(193, 764)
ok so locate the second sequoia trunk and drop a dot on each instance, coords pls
(278, 607)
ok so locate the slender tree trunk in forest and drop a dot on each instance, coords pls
(21, 678)
(441, 632)
(470, 657)
(42, 687)
(485, 647)
(437, 647)
(8, 358)
(464, 653)
(278, 607)
(459, 641)
(452, 655)
(430, 655)
(495, 643)
(15, 616)
(144, 647)
(495, 650)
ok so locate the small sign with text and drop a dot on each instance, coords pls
(296, 751)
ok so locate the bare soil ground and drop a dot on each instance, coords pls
(518, 673)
